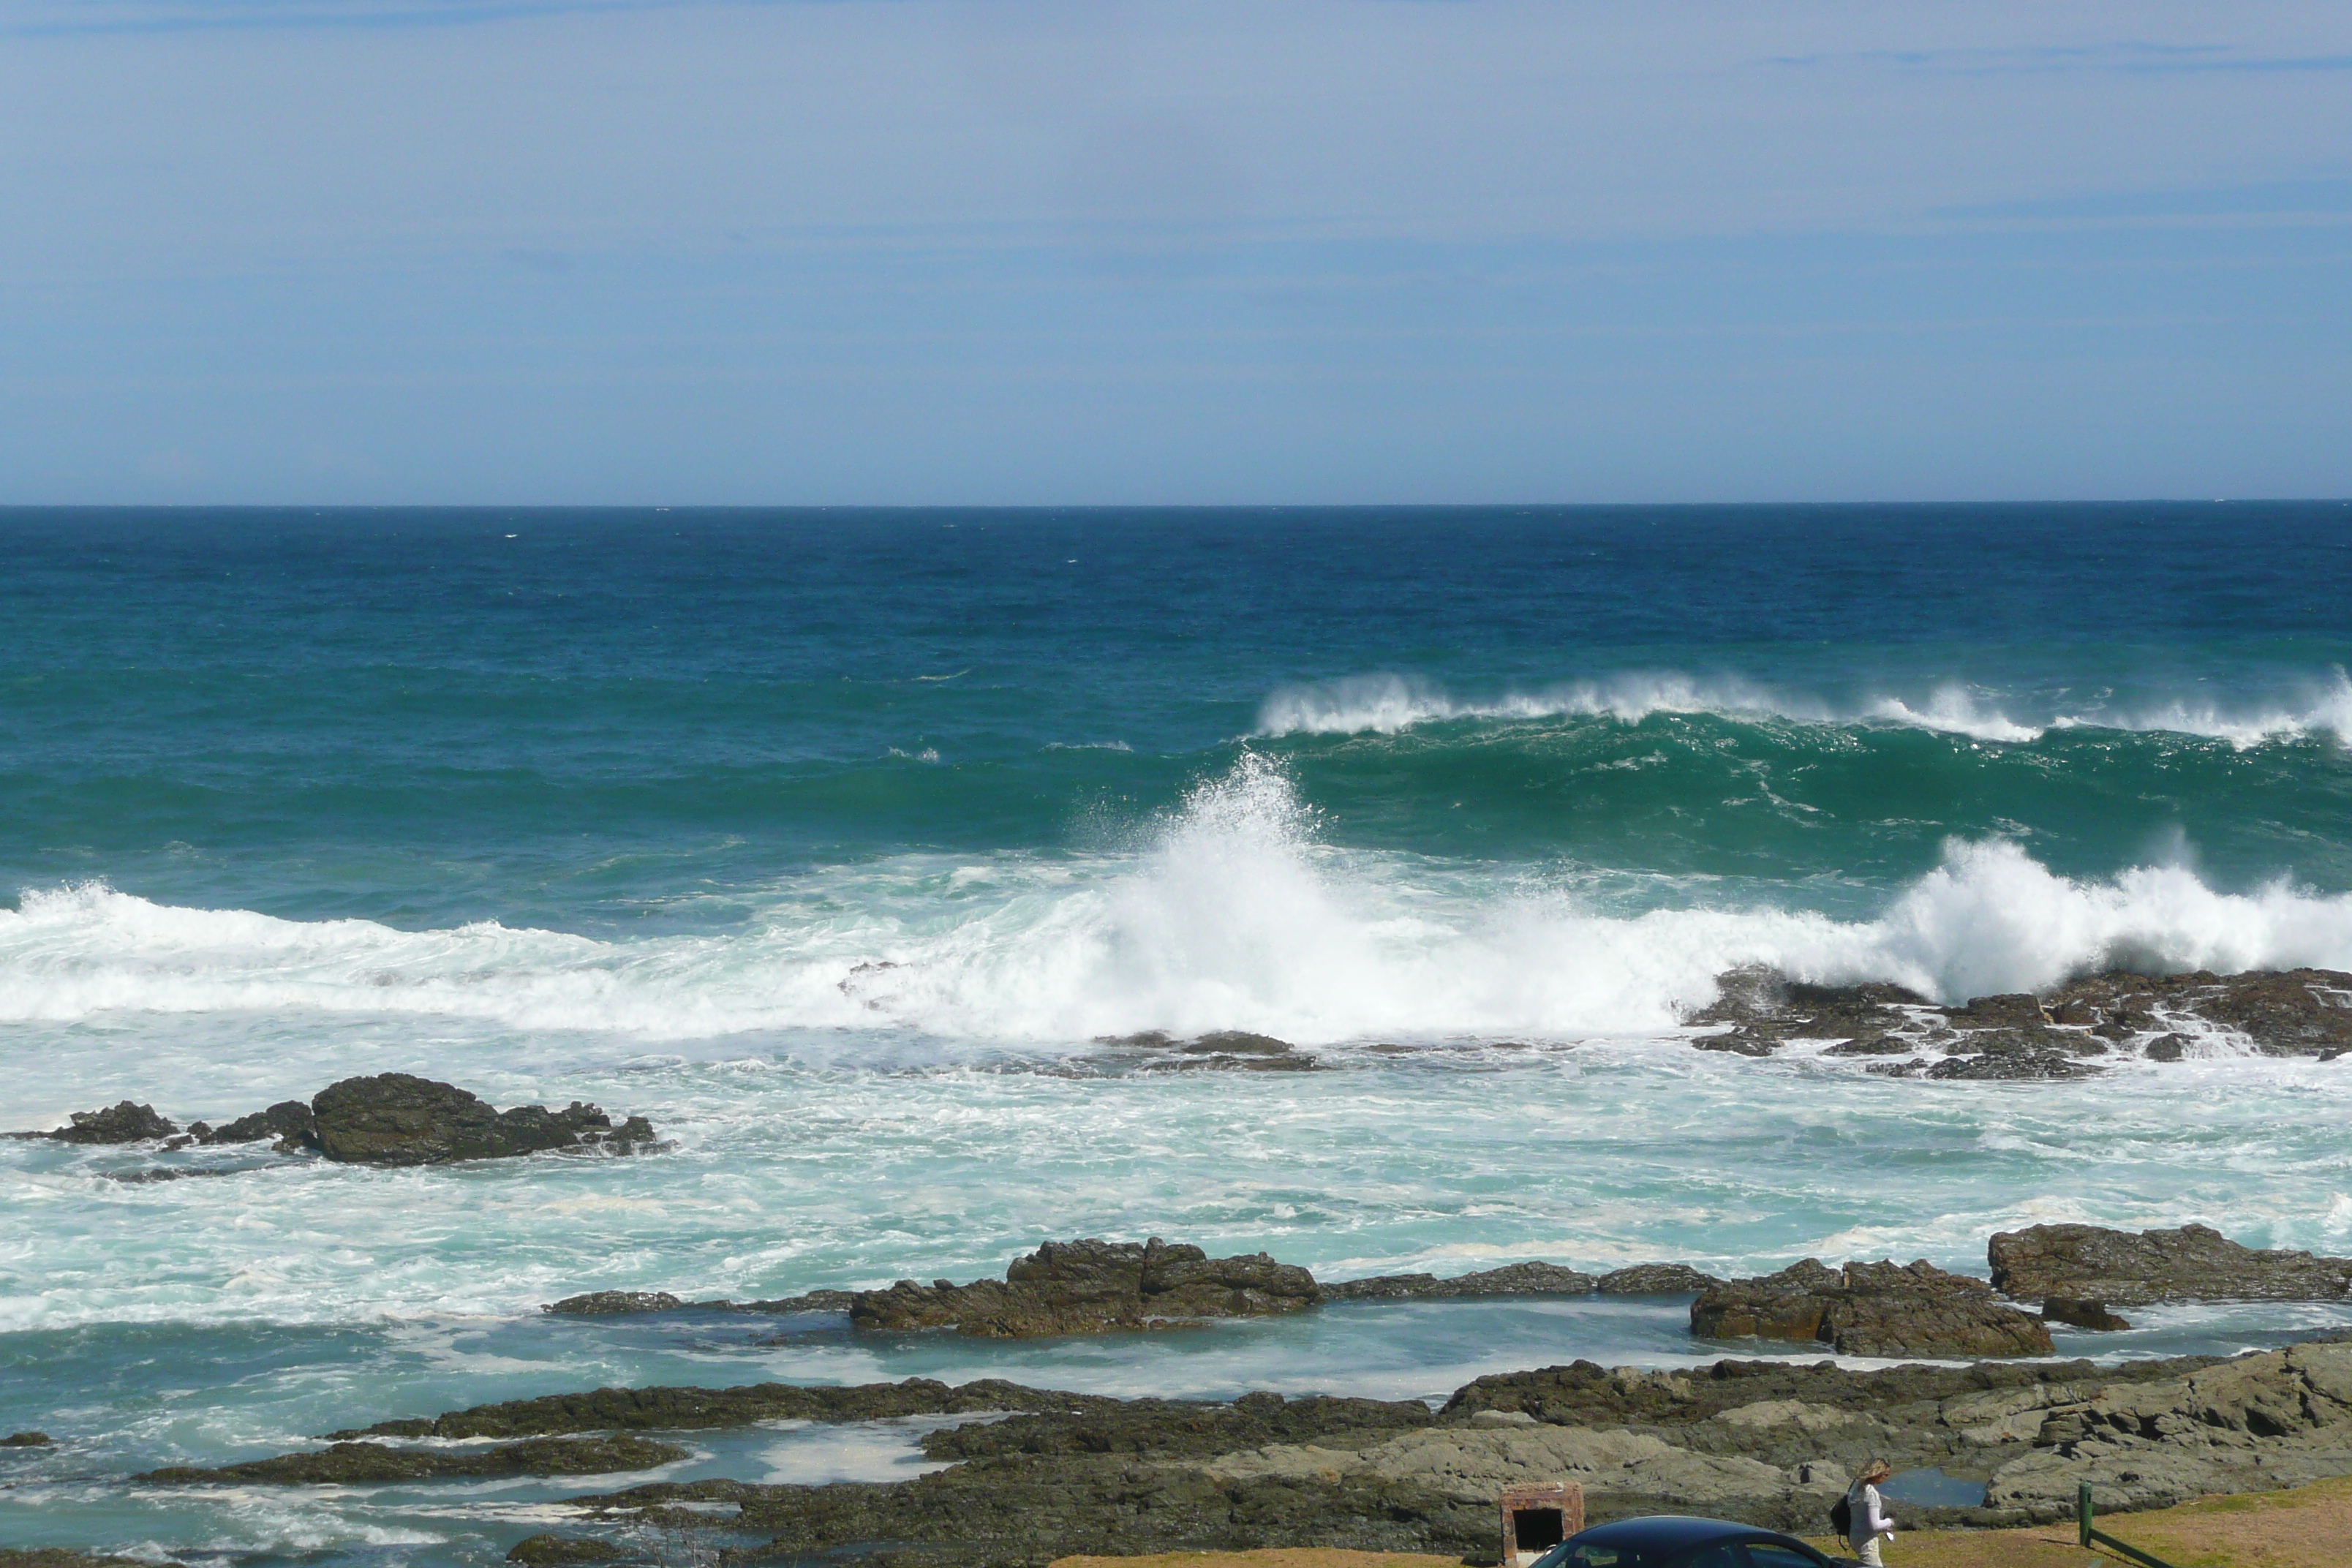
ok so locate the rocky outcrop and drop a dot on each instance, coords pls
(290, 1122)
(688, 1409)
(1514, 1279)
(25, 1440)
(1092, 1287)
(355, 1464)
(123, 1123)
(2192, 1263)
(59, 1557)
(397, 1119)
(1229, 1050)
(2023, 1037)
(2081, 1314)
(1871, 1310)
(613, 1303)
(1656, 1279)
(2253, 1423)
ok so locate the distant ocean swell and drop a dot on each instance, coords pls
(1387, 704)
(1232, 914)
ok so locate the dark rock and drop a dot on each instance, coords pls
(59, 1557)
(1230, 1049)
(2081, 1314)
(354, 1464)
(1871, 1310)
(25, 1440)
(2020, 1010)
(2193, 1263)
(1764, 1009)
(612, 1303)
(1656, 1279)
(397, 1119)
(2013, 1060)
(122, 1122)
(815, 1302)
(548, 1551)
(688, 1409)
(2166, 1049)
(1514, 1279)
(1092, 1287)
(289, 1120)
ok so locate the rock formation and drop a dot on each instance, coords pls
(355, 1464)
(2063, 1034)
(397, 1119)
(2192, 1263)
(123, 1123)
(1871, 1310)
(290, 1122)
(1091, 1287)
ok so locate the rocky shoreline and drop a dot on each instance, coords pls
(1030, 1474)
(1052, 1473)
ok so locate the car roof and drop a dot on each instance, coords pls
(1671, 1529)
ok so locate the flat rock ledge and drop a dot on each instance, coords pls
(1872, 1309)
(2191, 1263)
(2066, 1034)
(354, 1464)
(385, 1119)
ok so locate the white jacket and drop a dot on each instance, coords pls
(1869, 1514)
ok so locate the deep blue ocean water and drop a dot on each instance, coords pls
(833, 840)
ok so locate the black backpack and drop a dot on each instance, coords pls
(1842, 1516)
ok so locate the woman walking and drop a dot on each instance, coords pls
(1869, 1512)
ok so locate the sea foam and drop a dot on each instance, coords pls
(1232, 914)
(1387, 704)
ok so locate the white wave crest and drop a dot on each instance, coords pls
(1235, 916)
(1386, 704)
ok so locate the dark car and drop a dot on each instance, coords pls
(1670, 1540)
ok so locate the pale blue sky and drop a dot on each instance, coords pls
(1026, 251)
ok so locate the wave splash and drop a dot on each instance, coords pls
(1386, 704)
(1235, 915)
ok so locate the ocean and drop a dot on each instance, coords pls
(837, 841)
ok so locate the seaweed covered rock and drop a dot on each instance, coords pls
(123, 1123)
(550, 1550)
(1871, 1310)
(398, 1119)
(613, 1303)
(2189, 1263)
(1093, 1287)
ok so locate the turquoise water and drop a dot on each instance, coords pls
(832, 841)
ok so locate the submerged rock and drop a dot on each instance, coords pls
(2083, 1314)
(1512, 1280)
(549, 1550)
(397, 1119)
(1229, 1050)
(123, 1123)
(25, 1440)
(290, 1122)
(352, 1464)
(1092, 1287)
(2191, 1263)
(1871, 1310)
(614, 1303)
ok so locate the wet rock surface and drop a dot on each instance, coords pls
(2191, 1263)
(1092, 1287)
(351, 1463)
(2021, 1037)
(1515, 1279)
(1229, 1050)
(613, 1303)
(397, 1119)
(688, 1409)
(59, 1557)
(2081, 1314)
(123, 1123)
(289, 1122)
(552, 1550)
(1871, 1310)
(25, 1440)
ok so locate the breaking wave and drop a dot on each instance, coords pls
(1386, 704)
(1234, 913)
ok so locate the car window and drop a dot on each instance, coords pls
(1764, 1554)
(1589, 1554)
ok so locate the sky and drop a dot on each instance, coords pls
(1282, 251)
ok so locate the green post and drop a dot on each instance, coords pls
(2082, 1510)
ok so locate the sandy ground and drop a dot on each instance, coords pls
(2309, 1527)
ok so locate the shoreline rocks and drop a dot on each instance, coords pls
(1871, 1310)
(385, 1119)
(1092, 1287)
(354, 1464)
(2298, 1012)
(2189, 1263)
